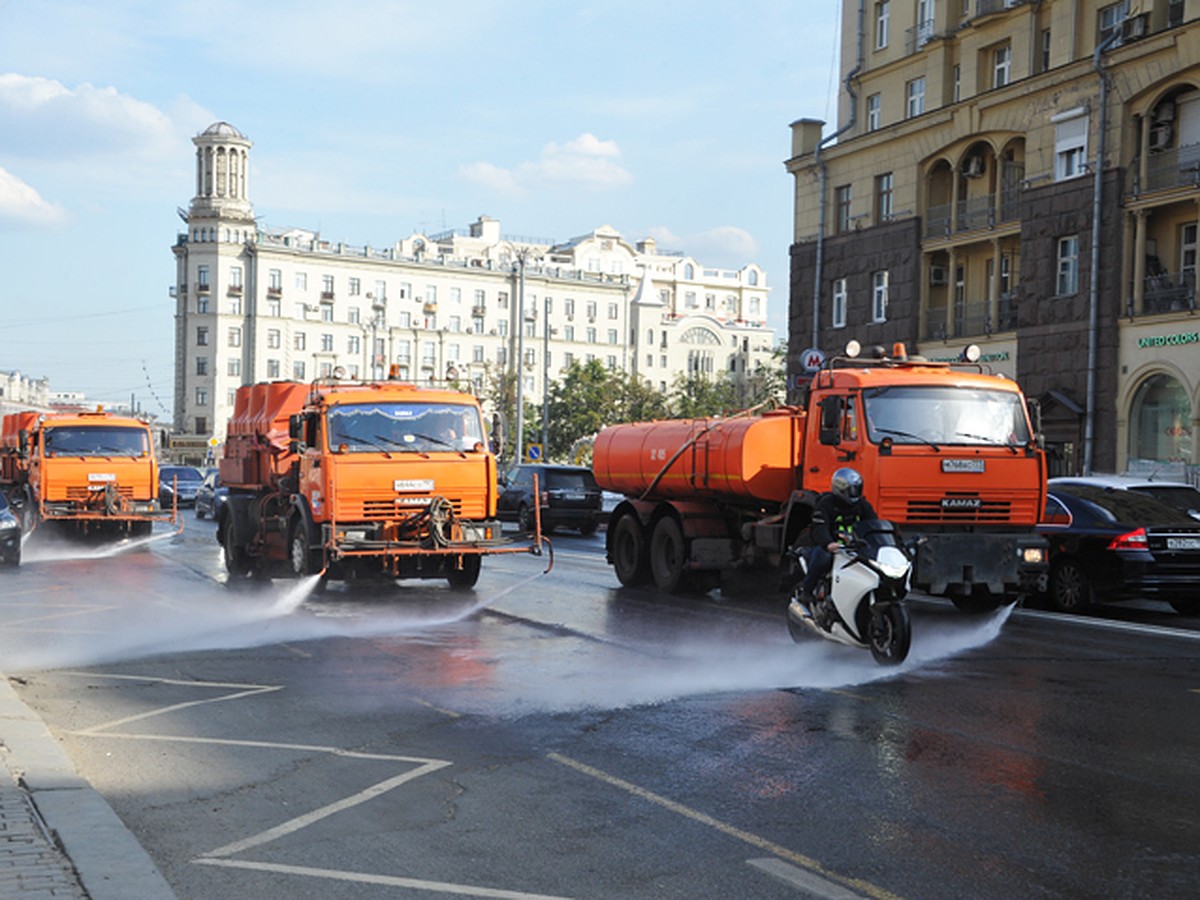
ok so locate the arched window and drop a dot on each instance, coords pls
(689, 271)
(753, 279)
(1160, 421)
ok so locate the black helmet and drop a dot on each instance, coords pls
(846, 485)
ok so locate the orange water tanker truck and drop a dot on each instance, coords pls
(947, 451)
(94, 472)
(359, 481)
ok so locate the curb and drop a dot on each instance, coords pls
(109, 861)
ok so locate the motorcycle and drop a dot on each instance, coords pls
(861, 601)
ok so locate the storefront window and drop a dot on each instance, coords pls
(1161, 422)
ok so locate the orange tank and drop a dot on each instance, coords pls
(748, 459)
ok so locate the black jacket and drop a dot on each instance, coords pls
(833, 518)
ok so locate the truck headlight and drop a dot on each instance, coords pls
(1033, 555)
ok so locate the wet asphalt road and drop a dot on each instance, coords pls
(553, 735)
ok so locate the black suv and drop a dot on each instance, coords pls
(570, 497)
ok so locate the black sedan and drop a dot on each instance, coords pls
(1112, 545)
(10, 534)
(211, 495)
(182, 479)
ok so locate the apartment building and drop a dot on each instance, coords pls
(258, 304)
(1024, 176)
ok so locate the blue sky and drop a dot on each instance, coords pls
(372, 120)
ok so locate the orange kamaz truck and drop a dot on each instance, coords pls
(93, 471)
(359, 481)
(947, 451)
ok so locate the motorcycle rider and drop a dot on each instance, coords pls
(837, 512)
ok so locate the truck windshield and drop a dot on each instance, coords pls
(945, 415)
(403, 427)
(95, 440)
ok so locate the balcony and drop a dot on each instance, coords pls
(918, 36)
(234, 290)
(1169, 169)
(202, 287)
(327, 296)
(1168, 292)
(429, 309)
(274, 292)
(479, 312)
(973, 319)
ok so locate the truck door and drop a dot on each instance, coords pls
(833, 440)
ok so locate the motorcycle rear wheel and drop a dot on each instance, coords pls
(890, 633)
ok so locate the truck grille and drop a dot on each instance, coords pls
(79, 494)
(956, 509)
(384, 509)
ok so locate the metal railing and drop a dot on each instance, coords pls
(1167, 292)
(1167, 169)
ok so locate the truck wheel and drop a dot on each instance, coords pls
(629, 556)
(667, 554)
(465, 577)
(237, 563)
(305, 561)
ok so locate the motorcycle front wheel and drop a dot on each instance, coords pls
(890, 633)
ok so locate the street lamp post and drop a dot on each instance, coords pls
(522, 255)
(545, 377)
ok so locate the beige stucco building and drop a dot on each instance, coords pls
(1025, 176)
(255, 304)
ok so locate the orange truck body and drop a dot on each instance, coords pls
(947, 453)
(358, 480)
(95, 470)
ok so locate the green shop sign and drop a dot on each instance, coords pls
(1170, 340)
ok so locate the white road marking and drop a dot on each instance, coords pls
(867, 889)
(812, 885)
(385, 880)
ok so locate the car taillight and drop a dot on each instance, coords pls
(1131, 540)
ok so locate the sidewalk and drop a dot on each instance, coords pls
(58, 837)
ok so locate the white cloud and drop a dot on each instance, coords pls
(43, 118)
(725, 246)
(20, 204)
(585, 162)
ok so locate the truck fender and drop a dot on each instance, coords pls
(237, 514)
(302, 511)
(797, 514)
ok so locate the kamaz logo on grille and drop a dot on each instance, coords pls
(952, 503)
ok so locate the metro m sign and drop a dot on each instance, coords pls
(812, 359)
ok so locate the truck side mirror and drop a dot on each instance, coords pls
(1035, 420)
(296, 433)
(832, 409)
(23, 442)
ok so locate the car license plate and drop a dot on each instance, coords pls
(574, 495)
(1183, 543)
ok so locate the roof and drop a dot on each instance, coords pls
(222, 129)
(1117, 482)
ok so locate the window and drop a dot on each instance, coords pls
(235, 337)
(202, 304)
(883, 197)
(275, 281)
(1109, 20)
(879, 296)
(381, 291)
(201, 396)
(1045, 50)
(355, 287)
(234, 303)
(202, 336)
(839, 303)
(273, 339)
(1070, 144)
(302, 281)
(1187, 251)
(201, 365)
(431, 294)
(353, 344)
(1068, 266)
(272, 368)
(354, 315)
(613, 311)
(956, 78)
(326, 312)
(274, 307)
(591, 310)
(841, 209)
(914, 96)
(202, 277)
(456, 296)
(233, 367)
(201, 425)
(298, 370)
(1001, 65)
(568, 332)
(327, 343)
(612, 335)
(874, 112)
(298, 341)
(327, 286)
(882, 15)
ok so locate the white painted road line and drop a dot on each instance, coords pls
(803, 880)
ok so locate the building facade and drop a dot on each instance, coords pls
(457, 308)
(1024, 176)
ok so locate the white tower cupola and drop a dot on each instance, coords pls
(222, 176)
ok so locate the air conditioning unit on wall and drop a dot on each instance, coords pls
(937, 274)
